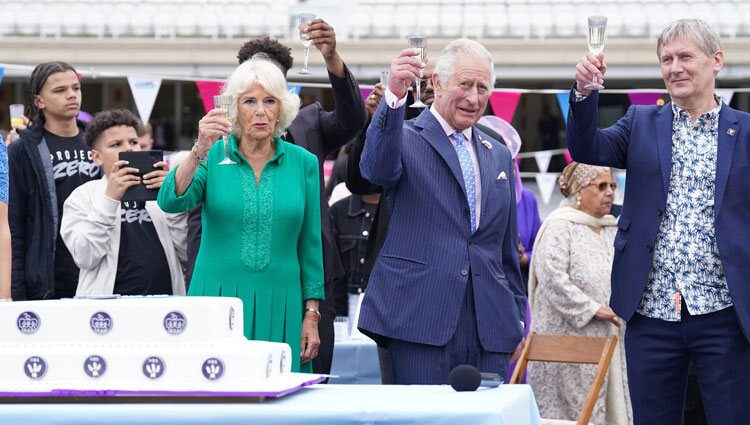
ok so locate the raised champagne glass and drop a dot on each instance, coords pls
(224, 101)
(597, 35)
(384, 76)
(303, 21)
(418, 42)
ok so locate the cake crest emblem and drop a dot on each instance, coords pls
(175, 323)
(213, 369)
(94, 366)
(283, 362)
(35, 367)
(101, 323)
(269, 366)
(154, 367)
(28, 322)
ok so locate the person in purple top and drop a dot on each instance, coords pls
(529, 223)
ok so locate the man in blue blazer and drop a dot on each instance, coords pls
(446, 288)
(681, 262)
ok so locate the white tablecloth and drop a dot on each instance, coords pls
(355, 362)
(320, 404)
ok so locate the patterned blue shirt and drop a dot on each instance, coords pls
(686, 256)
(3, 172)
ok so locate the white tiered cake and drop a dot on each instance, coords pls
(157, 345)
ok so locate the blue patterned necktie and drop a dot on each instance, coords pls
(467, 169)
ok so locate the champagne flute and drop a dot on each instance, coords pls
(384, 76)
(224, 101)
(302, 23)
(418, 42)
(597, 30)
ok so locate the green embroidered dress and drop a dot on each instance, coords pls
(261, 242)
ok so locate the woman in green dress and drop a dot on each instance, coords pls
(261, 216)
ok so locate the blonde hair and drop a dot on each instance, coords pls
(696, 30)
(264, 73)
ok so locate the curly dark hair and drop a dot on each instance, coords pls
(107, 119)
(275, 50)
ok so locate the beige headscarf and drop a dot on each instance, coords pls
(575, 177)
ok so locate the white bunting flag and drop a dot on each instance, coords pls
(546, 183)
(725, 94)
(542, 160)
(144, 91)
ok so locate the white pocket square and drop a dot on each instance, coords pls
(502, 176)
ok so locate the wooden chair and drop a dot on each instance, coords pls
(569, 349)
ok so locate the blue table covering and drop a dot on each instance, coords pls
(319, 404)
(355, 362)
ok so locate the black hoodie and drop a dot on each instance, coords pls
(33, 216)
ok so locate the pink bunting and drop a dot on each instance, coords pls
(207, 90)
(644, 98)
(364, 92)
(504, 104)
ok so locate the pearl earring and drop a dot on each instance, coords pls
(578, 202)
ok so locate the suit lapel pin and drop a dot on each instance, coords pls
(731, 131)
(486, 144)
(502, 176)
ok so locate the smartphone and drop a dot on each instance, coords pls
(144, 161)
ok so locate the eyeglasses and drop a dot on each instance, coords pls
(602, 186)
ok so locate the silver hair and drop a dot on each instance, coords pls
(696, 30)
(266, 57)
(446, 61)
(264, 73)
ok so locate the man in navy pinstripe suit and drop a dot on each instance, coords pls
(446, 288)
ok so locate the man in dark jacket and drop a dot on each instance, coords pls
(320, 132)
(48, 162)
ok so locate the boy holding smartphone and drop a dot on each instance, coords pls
(127, 248)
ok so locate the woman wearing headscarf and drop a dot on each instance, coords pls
(569, 289)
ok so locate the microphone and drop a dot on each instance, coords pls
(468, 378)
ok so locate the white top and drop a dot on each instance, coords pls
(90, 228)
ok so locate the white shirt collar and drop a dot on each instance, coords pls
(447, 127)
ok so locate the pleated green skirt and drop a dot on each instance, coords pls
(270, 314)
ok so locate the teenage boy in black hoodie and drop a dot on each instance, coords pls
(48, 162)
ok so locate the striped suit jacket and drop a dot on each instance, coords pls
(417, 285)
